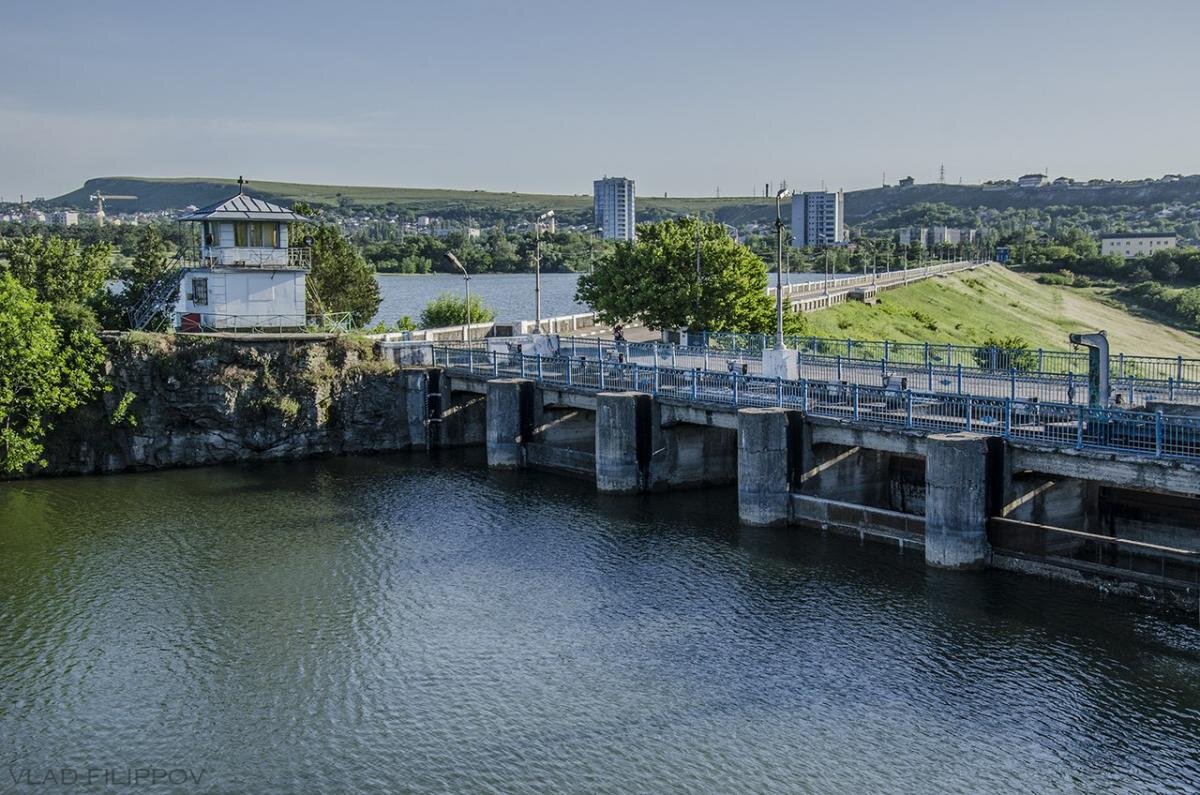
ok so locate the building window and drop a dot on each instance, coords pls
(256, 234)
(212, 233)
(199, 294)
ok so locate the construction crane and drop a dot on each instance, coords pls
(100, 198)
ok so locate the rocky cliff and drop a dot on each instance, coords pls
(193, 400)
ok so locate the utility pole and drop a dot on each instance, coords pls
(537, 269)
(779, 267)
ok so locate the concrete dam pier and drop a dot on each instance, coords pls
(968, 500)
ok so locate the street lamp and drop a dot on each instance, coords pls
(594, 234)
(467, 289)
(537, 269)
(779, 267)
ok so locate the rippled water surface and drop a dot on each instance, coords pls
(408, 624)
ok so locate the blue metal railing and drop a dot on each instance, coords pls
(1059, 425)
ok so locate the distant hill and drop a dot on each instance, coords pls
(156, 194)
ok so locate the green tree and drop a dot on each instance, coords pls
(58, 270)
(340, 279)
(42, 374)
(656, 281)
(151, 262)
(450, 310)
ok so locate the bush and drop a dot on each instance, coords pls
(1010, 353)
(450, 310)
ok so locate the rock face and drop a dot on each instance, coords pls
(194, 400)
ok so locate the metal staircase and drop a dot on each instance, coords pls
(160, 293)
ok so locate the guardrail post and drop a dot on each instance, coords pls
(908, 420)
(929, 374)
(779, 391)
(927, 353)
(539, 364)
(735, 389)
(635, 377)
(471, 362)
(1121, 363)
(706, 351)
(1079, 430)
(696, 382)
(839, 367)
(1041, 361)
(570, 379)
(495, 363)
(970, 410)
(762, 342)
(886, 351)
(1171, 388)
(992, 354)
(959, 378)
(522, 364)
(600, 350)
(1007, 418)
(600, 369)
(654, 351)
(674, 349)
(1179, 369)
(1012, 383)
(854, 398)
(657, 382)
(804, 395)
(1070, 388)
(849, 348)
(1158, 434)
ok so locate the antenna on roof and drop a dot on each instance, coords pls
(241, 185)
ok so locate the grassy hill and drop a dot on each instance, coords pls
(967, 308)
(172, 194)
(175, 193)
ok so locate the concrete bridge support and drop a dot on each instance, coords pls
(766, 464)
(509, 421)
(956, 501)
(623, 441)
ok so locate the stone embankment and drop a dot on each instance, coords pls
(184, 400)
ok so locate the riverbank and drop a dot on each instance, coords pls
(192, 400)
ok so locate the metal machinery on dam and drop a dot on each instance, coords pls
(1071, 489)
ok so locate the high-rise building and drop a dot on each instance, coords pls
(614, 202)
(818, 219)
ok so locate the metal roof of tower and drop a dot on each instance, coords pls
(243, 208)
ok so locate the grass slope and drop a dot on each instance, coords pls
(968, 307)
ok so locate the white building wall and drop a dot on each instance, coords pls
(614, 204)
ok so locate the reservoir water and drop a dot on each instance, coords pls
(415, 624)
(510, 295)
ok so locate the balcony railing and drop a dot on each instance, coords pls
(292, 258)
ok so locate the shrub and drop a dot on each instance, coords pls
(450, 310)
(1010, 353)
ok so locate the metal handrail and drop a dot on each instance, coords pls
(1058, 425)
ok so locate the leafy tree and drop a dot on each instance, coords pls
(58, 270)
(655, 280)
(340, 279)
(42, 373)
(450, 310)
(151, 261)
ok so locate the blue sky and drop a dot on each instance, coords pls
(685, 97)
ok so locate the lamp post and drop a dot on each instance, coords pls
(594, 234)
(779, 267)
(467, 290)
(537, 269)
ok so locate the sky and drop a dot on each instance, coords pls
(688, 98)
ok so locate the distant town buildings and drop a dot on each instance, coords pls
(1032, 180)
(616, 215)
(1137, 244)
(65, 218)
(907, 182)
(936, 235)
(818, 219)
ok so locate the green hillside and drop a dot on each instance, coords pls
(156, 194)
(969, 307)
